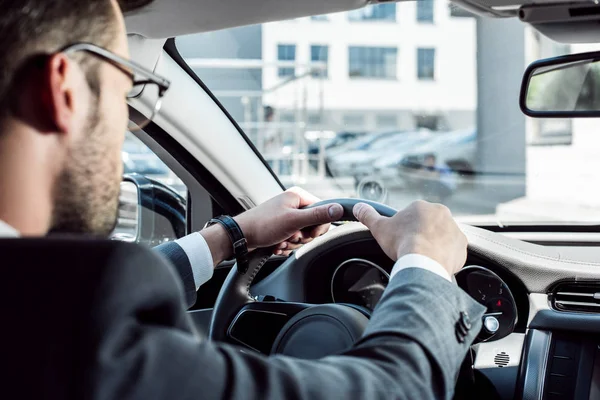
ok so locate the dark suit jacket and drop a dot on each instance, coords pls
(105, 320)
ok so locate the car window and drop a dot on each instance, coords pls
(138, 158)
(430, 94)
(153, 200)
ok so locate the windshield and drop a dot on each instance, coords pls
(404, 101)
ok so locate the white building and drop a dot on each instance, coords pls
(541, 169)
(388, 66)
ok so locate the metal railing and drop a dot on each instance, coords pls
(284, 144)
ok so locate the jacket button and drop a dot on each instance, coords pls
(462, 327)
(465, 321)
(459, 336)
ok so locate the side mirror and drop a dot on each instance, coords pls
(371, 188)
(562, 87)
(128, 216)
(149, 212)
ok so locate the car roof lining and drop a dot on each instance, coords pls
(162, 19)
(170, 18)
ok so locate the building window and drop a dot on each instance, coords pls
(555, 131)
(372, 62)
(378, 12)
(354, 121)
(426, 64)
(287, 116)
(386, 121)
(286, 52)
(319, 54)
(425, 10)
(322, 17)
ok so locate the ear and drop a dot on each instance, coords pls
(58, 86)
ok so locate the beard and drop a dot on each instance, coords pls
(86, 193)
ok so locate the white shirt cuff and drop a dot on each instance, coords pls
(195, 247)
(420, 261)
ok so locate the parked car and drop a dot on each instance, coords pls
(139, 159)
(359, 143)
(339, 139)
(436, 168)
(359, 162)
(457, 150)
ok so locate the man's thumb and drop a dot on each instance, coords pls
(320, 215)
(365, 214)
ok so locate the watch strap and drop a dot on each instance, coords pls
(238, 240)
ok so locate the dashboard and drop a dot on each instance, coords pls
(361, 282)
(359, 272)
(540, 331)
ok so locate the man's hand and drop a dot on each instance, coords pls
(280, 221)
(421, 228)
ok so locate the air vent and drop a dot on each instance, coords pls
(502, 359)
(577, 296)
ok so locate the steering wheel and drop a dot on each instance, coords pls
(287, 328)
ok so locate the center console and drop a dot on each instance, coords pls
(560, 365)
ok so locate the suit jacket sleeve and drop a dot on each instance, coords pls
(182, 265)
(140, 345)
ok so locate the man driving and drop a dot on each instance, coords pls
(64, 87)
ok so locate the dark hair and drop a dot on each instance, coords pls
(32, 28)
(130, 5)
(269, 112)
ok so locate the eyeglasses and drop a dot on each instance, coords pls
(142, 78)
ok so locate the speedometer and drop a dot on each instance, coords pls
(360, 282)
(489, 290)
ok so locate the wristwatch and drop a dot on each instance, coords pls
(238, 240)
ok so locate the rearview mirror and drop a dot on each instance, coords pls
(562, 87)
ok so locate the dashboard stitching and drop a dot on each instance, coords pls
(514, 249)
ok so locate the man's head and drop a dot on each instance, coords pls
(269, 113)
(430, 160)
(66, 113)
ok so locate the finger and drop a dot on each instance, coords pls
(305, 198)
(366, 214)
(318, 215)
(306, 240)
(292, 247)
(286, 246)
(282, 252)
(295, 238)
(316, 231)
